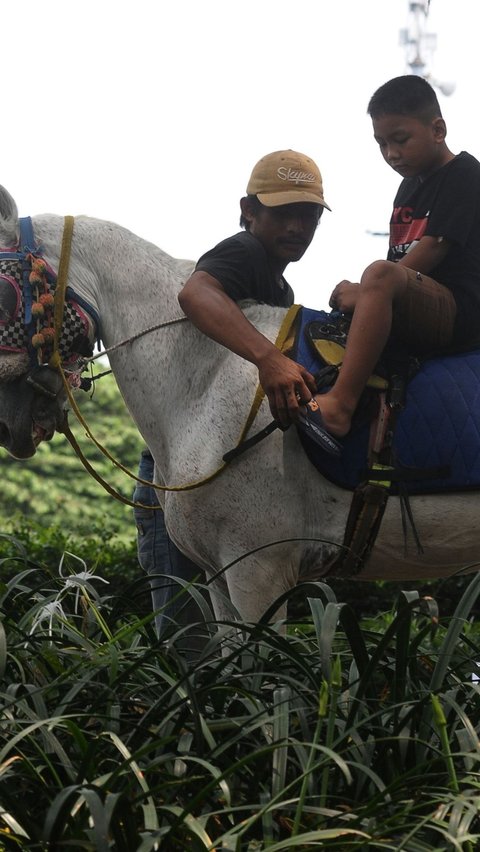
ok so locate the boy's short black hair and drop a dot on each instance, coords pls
(407, 95)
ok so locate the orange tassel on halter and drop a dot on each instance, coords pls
(38, 340)
(37, 309)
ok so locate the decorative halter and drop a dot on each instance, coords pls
(27, 305)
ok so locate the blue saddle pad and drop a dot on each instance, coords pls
(439, 426)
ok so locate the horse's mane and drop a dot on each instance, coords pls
(9, 231)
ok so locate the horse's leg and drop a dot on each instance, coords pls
(257, 582)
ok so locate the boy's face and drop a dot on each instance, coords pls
(286, 231)
(410, 146)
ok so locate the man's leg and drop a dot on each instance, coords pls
(158, 555)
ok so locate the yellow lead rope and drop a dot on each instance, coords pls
(61, 289)
(55, 362)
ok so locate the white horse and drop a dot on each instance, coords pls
(190, 398)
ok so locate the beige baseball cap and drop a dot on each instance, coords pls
(286, 177)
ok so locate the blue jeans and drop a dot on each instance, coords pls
(157, 555)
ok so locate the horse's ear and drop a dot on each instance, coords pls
(8, 219)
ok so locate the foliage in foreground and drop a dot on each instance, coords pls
(106, 553)
(114, 556)
(332, 735)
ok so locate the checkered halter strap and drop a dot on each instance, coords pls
(27, 291)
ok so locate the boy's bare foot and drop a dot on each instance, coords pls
(336, 420)
(310, 420)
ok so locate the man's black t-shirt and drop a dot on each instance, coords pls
(446, 204)
(240, 264)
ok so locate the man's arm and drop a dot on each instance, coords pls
(208, 306)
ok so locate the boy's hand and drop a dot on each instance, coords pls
(344, 297)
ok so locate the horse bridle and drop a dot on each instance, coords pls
(34, 379)
(42, 322)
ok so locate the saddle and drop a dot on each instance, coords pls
(416, 431)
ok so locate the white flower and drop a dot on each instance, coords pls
(81, 580)
(53, 609)
(47, 612)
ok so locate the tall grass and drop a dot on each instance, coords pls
(331, 734)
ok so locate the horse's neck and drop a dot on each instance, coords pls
(189, 396)
(130, 282)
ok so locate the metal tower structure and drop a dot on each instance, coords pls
(420, 45)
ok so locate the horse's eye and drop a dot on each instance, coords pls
(9, 299)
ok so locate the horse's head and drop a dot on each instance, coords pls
(32, 394)
(32, 406)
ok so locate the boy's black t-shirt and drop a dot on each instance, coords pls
(240, 264)
(446, 204)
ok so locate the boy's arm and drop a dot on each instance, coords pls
(211, 310)
(426, 254)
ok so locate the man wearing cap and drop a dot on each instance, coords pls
(280, 214)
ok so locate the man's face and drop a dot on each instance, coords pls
(411, 147)
(285, 232)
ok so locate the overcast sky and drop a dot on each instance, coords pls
(152, 113)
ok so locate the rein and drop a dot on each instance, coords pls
(135, 337)
(55, 363)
